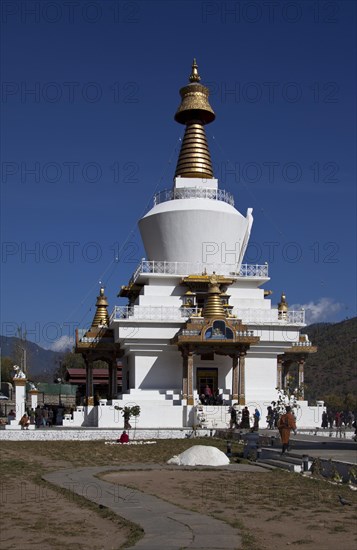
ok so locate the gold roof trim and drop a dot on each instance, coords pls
(195, 339)
(296, 351)
(204, 278)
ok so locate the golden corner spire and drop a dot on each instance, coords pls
(283, 304)
(194, 111)
(101, 317)
(194, 76)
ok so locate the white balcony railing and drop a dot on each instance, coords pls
(265, 316)
(167, 313)
(183, 269)
(193, 193)
(152, 313)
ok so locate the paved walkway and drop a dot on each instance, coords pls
(165, 525)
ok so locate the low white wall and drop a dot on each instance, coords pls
(162, 413)
(92, 434)
(88, 434)
(334, 432)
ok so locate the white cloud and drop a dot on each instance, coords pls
(65, 343)
(321, 311)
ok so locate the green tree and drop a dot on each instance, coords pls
(7, 369)
(127, 413)
(69, 361)
(338, 402)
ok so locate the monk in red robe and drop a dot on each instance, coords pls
(285, 425)
(124, 438)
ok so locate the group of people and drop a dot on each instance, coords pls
(41, 417)
(272, 417)
(285, 422)
(210, 398)
(338, 419)
(24, 421)
(241, 419)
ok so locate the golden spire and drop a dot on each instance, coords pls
(101, 317)
(213, 307)
(283, 304)
(194, 76)
(195, 111)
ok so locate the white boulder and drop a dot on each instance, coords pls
(200, 455)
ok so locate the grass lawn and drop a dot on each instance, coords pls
(272, 508)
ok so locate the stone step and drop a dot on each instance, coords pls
(283, 464)
(273, 455)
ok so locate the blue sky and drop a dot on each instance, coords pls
(89, 91)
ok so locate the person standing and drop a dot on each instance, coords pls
(330, 419)
(256, 420)
(350, 418)
(45, 417)
(38, 416)
(354, 425)
(233, 421)
(324, 423)
(285, 425)
(270, 417)
(208, 395)
(245, 419)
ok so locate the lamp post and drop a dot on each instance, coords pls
(23, 360)
(59, 380)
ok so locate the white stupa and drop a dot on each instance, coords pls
(195, 222)
(197, 317)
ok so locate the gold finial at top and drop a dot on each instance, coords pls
(194, 111)
(194, 101)
(194, 76)
(283, 304)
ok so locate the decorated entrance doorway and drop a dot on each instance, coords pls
(207, 377)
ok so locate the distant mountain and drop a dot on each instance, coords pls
(333, 369)
(41, 363)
